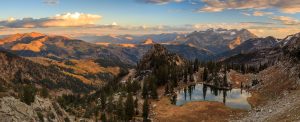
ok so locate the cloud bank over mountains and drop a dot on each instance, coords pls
(60, 20)
(262, 17)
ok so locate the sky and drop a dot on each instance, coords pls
(277, 18)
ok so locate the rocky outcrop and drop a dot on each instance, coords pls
(149, 41)
(157, 56)
(13, 110)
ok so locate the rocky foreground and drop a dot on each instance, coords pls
(13, 110)
(277, 96)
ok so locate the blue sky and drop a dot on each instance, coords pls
(164, 15)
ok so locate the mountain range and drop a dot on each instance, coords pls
(104, 62)
(73, 66)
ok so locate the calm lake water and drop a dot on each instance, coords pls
(235, 98)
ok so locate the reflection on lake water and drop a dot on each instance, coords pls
(235, 98)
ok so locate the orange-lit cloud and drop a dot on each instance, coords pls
(261, 29)
(286, 20)
(285, 6)
(60, 20)
(278, 32)
(257, 13)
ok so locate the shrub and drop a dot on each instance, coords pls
(28, 94)
(44, 92)
(41, 116)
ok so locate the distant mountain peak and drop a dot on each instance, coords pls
(148, 41)
(34, 34)
(218, 40)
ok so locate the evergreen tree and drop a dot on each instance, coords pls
(243, 69)
(103, 100)
(2, 88)
(110, 105)
(103, 117)
(225, 82)
(185, 76)
(120, 109)
(145, 110)
(129, 107)
(153, 90)
(162, 74)
(136, 86)
(28, 94)
(44, 92)
(196, 65)
(145, 89)
(205, 74)
(96, 112)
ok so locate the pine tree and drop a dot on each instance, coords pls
(145, 110)
(162, 75)
(129, 107)
(225, 82)
(205, 74)
(153, 89)
(28, 94)
(136, 86)
(243, 69)
(191, 78)
(110, 105)
(44, 92)
(103, 100)
(120, 109)
(185, 76)
(196, 65)
(103, 117)
(145, 89)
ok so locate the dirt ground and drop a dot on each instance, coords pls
(192, 112)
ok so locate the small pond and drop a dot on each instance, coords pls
(234, 98)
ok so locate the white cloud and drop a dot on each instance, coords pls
(60, 20)
(114, 24)
(246, 14)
